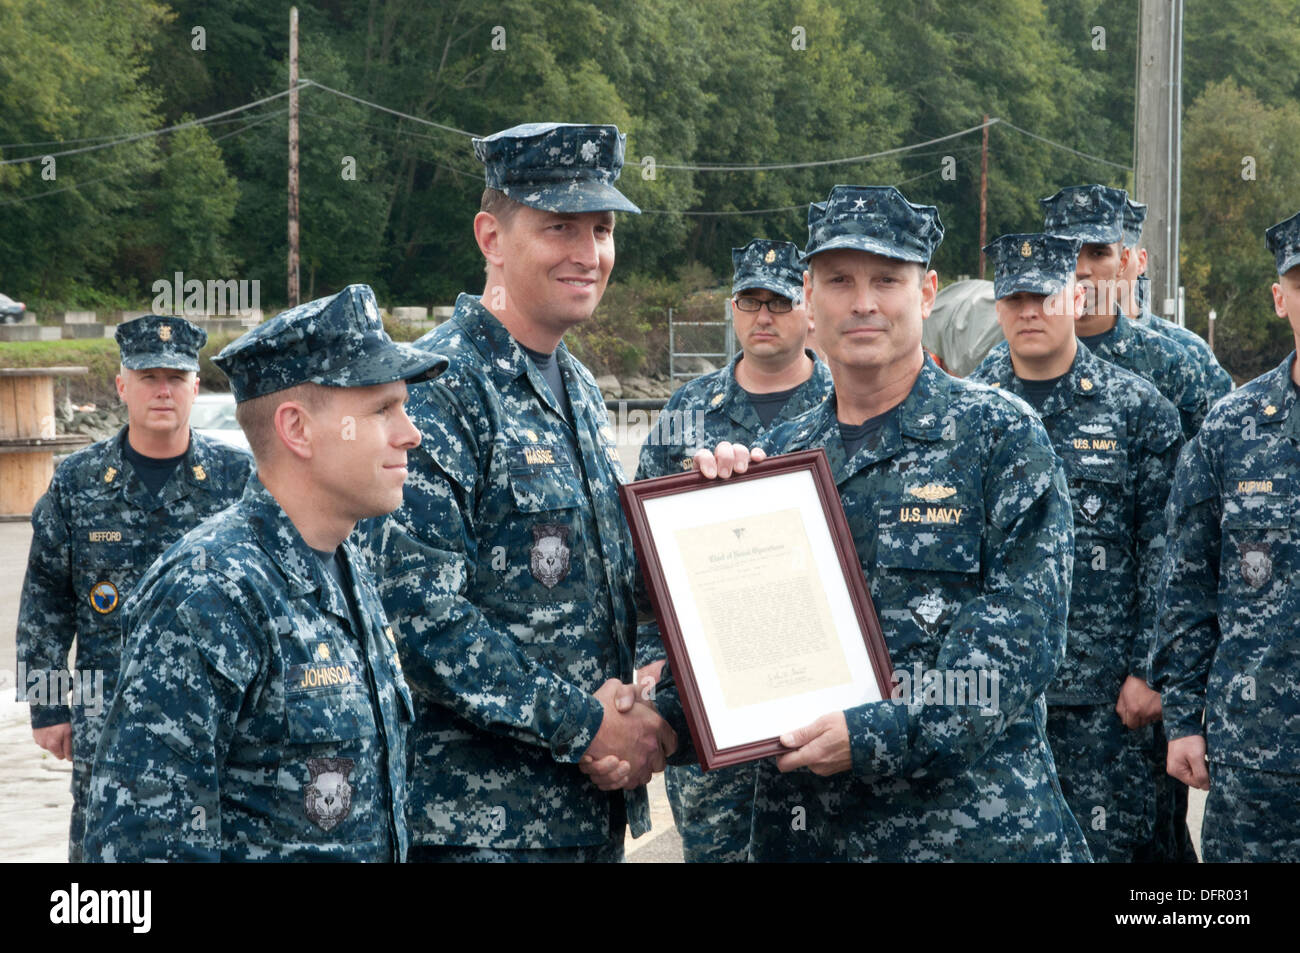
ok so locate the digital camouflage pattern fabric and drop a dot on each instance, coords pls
(557, 166)
(712, 408)
(1094, 214)
(94, 533)
(1037, 263)
(509, 576)
(961, 517)
(1229, 599)
(252, 720)
(1284, 242)
(159, 341)
(1217, 380)
(713, 811)
(336, 341)
(1119, 440)
(875, 219)
(1161, 361)
(764, 263)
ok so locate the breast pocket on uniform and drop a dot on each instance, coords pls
(1257, 541)
(327, 764)
(1097, 494)
(542, 538)
(106, 572)
(928, 566)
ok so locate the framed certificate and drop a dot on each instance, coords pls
(762, 605)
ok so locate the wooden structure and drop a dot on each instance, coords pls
(27, 438)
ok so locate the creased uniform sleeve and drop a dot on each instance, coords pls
(47, 614)
(1015, 628)
(1162, 440)
(425, 558)
(155, 793)
(1187, 626)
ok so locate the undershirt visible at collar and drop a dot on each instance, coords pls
(1036, 392)
(549, 368)
(154, 472)
(768, 406)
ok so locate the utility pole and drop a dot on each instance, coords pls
(293, 156)
(1157, 143)
(984, 195)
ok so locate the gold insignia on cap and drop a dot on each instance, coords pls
(1085, 383)
(199, 472)
(164, 332)
(109, 474)
(323, 651)
(1270, 410)
(1025, 250)
(770, 256)
(932, 491)
(532, 437)
(717, 400)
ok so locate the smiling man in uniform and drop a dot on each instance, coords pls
(262, 713)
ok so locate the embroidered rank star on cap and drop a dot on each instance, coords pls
(1284, 242)
(557, 166)
(875, 219)
(1094, 214)
(768, 264)
(338, 341)
(1035, 263)
(157, 341)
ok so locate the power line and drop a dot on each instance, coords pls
(767, 211)
(267, 117)
(366, 102)
(824, 162)
(1060, 145)
(134, 137)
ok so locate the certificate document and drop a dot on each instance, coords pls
(765, 565)
(762, 605)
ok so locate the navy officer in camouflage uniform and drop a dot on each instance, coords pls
(262, 712)
(509, 571)
(774, 378)
(1119, 439)
(960, 512)
(110, 510)
(1225, 653)
(1094, 214)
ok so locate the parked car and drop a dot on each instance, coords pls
(11, 311)
(213, 416)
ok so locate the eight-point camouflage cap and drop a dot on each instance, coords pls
(1135, 216)
(768, 264)
(556, 166)
(1284, 243)
(158, 341)
(1094, 214)
(1037, 263)
(337, 341)
(876, 219)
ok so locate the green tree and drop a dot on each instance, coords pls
(1240, 175)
